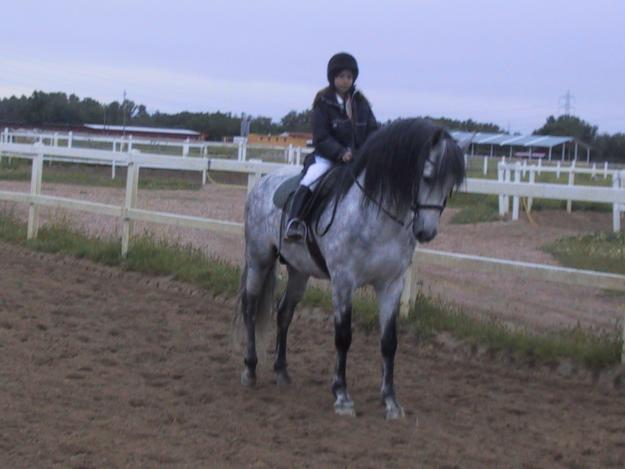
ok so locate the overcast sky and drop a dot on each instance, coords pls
(506, 62)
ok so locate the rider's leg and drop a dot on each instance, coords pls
(296, 227)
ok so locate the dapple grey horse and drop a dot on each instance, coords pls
(384, 202)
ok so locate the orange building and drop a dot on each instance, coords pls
(297, 139)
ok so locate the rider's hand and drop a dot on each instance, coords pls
(347, 156)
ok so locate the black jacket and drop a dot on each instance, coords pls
(333, 131)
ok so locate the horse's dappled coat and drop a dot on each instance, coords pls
(384, 202)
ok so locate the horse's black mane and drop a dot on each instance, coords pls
(394, 157)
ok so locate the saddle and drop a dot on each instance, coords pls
(282, 199)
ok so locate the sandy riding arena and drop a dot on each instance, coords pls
(103, 368)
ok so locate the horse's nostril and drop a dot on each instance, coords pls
(425, 236)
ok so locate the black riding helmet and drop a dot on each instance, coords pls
(339, 62)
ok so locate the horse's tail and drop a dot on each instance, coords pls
(264, 310)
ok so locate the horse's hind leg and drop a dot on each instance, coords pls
(293, 293)
(258, 284)
(250, 304)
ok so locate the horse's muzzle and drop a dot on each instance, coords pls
(424, 232)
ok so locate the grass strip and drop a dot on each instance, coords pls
(81, 175)
(595, 350)
(603, 251)
(475, 208)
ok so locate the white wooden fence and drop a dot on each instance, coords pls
(511, 176)
(128, 213)
(595, 169)
(292, 154)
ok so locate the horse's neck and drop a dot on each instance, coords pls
(386, 213)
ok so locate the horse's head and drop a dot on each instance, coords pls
(443, 170)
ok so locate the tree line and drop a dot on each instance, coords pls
(59, 108)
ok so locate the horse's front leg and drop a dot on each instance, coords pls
(342, 299)
(388, 299)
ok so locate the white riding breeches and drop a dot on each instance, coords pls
(315, 171)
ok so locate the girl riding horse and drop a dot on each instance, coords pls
(342, 120)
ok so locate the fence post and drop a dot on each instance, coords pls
(605, 170)
(35, 189)
(507, 180)
(485, 166)
(130, 201)
(540, 166)
(558, 170)
(252, 178)
(616, 208)
(70, 137)
(500, 176)
(55, 142)
(240, 151)
(290, 154)
(530, 200)
(205, 171)
(244, 150)
(129, 143)
(113, 169)
(515, 199)
(569, 203)
(594, 171)
(185, 148)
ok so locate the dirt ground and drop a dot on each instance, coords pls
(105, 368)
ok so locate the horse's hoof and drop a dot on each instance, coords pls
(283, 379)
(394, 412)
(248, 379)
(344, 408)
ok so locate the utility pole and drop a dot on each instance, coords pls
(124, 115)
(566, 102)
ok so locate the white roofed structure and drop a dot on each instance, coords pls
(528, 142)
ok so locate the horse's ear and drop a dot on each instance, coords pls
(436, 138)
(466, 143)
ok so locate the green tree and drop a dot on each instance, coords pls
(297, 121)
(468, 125)
(570, 126)
(610, 147)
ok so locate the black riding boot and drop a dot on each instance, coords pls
(296, 227)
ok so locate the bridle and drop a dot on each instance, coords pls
(415, 206)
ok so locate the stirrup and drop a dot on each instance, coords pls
(296, 230)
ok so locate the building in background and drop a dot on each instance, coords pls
(297, 139)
